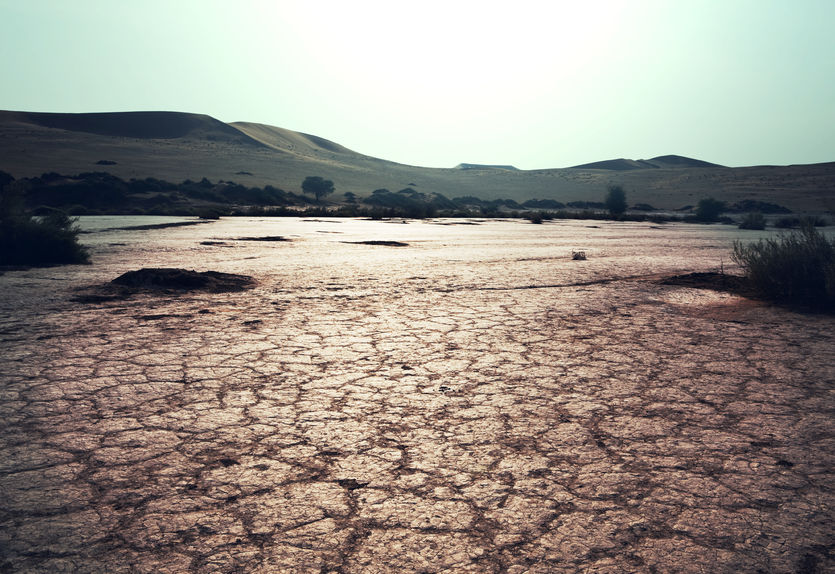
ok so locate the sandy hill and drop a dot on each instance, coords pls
(287, 140)
(145, 125)
(484, 166)
(177, 146)
(660, 162)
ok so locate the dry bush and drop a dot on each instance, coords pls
(798, 267)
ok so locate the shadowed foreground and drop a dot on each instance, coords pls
(620, 426)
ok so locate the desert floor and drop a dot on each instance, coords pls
(475, 401)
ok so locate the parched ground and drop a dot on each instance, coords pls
(416, 420)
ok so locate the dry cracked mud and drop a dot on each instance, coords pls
(499, 408)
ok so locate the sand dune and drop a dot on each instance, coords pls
(288, 140)
(151, 125)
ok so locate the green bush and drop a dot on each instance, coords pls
(798, 267)
(752, 221)
(50, 238)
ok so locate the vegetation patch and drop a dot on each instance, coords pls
(754, 220)
(156, 226)
(47, 239)
(790, 222)
(797, 268)
(758, 206)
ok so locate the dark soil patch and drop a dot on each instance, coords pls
(735, 284)
(379, 242)
(738, 286)
(351, 483)
(161, 316)
(153, 226)
(265, 238)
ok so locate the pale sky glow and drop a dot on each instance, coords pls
(535, 84)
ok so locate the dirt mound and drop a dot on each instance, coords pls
(164, 281)
(183, 280)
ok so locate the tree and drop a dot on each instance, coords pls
(709, 209)
(615, 200)
(316, 186)
(350, 197)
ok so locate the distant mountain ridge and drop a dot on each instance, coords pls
(660, 162)
(176, 146)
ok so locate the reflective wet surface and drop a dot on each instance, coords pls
(473, 401)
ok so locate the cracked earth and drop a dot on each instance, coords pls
(474, 401)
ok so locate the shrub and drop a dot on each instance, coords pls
(207, 213)
(753, 220)
(615, 200)
(709, 209)
(787, 222)
(47, 239)
(795, 221)
(51, 239)
(795, 268)
(760, 206)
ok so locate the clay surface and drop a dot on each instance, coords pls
(476, 401)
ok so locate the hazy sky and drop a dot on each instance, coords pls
(535, 84)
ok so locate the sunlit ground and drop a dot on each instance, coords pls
(474, 401)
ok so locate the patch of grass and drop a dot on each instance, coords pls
(795, 268)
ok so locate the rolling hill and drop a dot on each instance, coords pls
(661, 162)
(176, 146)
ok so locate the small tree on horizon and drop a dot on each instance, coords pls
(615, 200)
(317, 186)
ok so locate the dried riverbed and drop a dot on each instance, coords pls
(472, 401)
